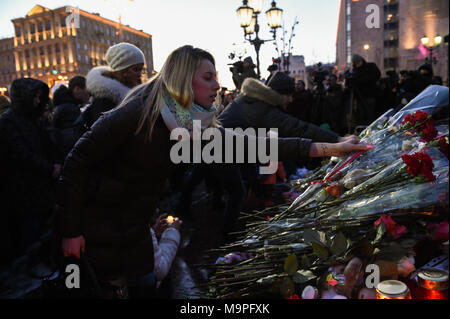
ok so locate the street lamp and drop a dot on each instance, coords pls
(248, 18)
(425, 41)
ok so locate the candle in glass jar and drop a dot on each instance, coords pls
(433, 284)
(392, 289)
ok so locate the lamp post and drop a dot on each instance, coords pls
(248, 18)
(426, 43)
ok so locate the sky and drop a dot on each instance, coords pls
(208, 24)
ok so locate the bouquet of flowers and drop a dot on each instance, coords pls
(351, 212)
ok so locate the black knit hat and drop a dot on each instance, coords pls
(282, 83)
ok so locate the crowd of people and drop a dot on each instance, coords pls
(89, 165)
(349, 101)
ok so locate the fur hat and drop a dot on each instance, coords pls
(124, 55)
(282, 83)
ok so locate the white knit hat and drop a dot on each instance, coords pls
(123, 55)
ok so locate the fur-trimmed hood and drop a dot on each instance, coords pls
(253, 88)
(101, 86)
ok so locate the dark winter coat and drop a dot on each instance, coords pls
(66, 113)
(334, 113)
(301, 106)
(111, 182)
(107, 93)
(26, 162)
(365, 79)
(259, 107)
(67, 108)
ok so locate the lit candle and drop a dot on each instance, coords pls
(170, 219)
(433, 284)
(392, 289)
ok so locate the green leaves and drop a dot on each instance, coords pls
(393, 252)
(323, 246)
(311, 236)
(291, 264)
(338, 244)
(268, 280)
(381, 230)
(320, 250)
(303, 276)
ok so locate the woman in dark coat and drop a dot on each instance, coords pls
(28, 168)
(114, 176)
(109, 84)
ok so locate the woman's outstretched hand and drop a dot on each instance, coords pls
(73, 246)
(341, 149)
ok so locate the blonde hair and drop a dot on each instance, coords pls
(175, 78)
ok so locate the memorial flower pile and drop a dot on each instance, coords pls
(378, 207)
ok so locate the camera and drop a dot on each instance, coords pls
(238, 66)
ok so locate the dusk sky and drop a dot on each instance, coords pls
(209, 24)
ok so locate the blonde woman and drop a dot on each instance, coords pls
(113, 177)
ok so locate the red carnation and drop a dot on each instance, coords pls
(443, 145)
(428, 132)
(423, 124)
(409, 119)
(393, 229)
(419, 164)
(421, 116)
(439, 231)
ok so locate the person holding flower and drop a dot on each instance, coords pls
(115, 174)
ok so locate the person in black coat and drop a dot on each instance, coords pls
(302, 103)
(67, 102)
(28, 169)
(363, 83)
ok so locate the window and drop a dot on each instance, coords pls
(32, 28)
(41, 51)
(57, 48)
(40, 26)
(63, 21)
(83, 23)
(85, 47)
(86, 59)
(18, 31)
(48, 25)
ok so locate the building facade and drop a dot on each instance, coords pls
(389, 32)
(297, 68)
(7, 64)
(55, 45)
